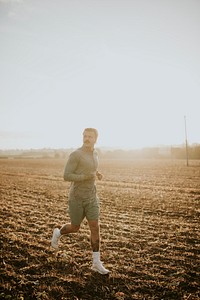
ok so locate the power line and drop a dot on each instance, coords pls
(186, 142)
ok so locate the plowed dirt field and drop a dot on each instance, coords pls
(150, 232)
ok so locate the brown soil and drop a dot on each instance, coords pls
(150, 237)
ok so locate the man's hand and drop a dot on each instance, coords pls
(89, 177)
(99, 175)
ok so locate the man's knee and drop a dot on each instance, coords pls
(94, 226)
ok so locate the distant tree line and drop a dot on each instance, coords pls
(153, 153)
(178, 152)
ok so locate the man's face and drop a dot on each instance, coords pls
(89, 139)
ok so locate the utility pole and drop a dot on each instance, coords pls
(186, 142)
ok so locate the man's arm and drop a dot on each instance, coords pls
(71, 165)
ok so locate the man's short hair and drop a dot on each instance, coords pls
(93, 130)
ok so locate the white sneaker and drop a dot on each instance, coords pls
(55, 238)
(98, 267)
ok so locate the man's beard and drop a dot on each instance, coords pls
(86, 142)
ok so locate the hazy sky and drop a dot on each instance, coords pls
(129, 68)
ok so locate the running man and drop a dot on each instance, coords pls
(81, 170)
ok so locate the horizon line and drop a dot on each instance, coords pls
(107, 148)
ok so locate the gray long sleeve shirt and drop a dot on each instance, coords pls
(81, 169)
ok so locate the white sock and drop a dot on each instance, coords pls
(96, 257)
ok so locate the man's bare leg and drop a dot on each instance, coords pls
(65, 229)
(69, 228)
(95, 244)
(95, 235)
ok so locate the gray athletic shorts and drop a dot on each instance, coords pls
(80, 208)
